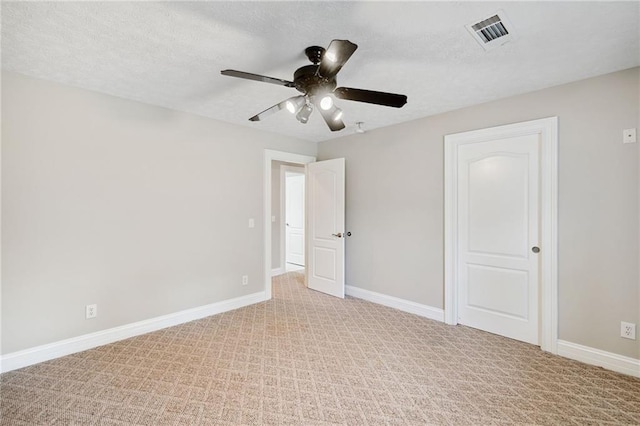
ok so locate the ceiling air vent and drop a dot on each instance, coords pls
(493, 31)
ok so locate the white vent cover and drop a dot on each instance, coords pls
(493, 31)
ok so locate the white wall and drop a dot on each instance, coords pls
(395, 203)
(137, 208)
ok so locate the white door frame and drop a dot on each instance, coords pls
(547, 128)
(269, 157)
(283, 208)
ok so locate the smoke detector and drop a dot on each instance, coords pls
(493, 31)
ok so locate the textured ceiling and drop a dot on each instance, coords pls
(171, 53)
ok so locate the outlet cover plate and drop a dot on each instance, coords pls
(91, 311)
(628, 330)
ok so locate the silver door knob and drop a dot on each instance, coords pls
(535, 249)
(339, 235)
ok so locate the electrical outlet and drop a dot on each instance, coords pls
(91, 311)
(245, 279)
(628, 330)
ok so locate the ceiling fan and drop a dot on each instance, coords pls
(317, 83)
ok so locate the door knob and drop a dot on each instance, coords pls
(535, 249)
(339, 235)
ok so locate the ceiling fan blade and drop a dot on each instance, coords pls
(269, 111)
(334, 125)
(336, 55)
(371, 97)
(257, 77)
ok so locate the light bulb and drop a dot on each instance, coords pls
(326, 103)
(294, 104)
(290, 107)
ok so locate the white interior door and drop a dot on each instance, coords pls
(294, 218)
(498, 234)
(325, 231)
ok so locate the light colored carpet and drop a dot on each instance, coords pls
(305, 358)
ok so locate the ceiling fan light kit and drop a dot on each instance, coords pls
(295, 104)
(317, 83)
(337, 114)
(326, 102)
(304, 113)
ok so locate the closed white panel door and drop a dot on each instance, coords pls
(294, 217)
(498, 234)
(325, 210)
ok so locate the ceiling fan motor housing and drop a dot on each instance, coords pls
(307, 81)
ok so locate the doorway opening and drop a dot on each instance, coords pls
(292, 217)
(275, 163)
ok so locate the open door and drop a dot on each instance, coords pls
(325, 230)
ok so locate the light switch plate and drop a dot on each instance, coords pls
(629, 136)
(252, 223)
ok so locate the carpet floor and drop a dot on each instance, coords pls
(304, 358)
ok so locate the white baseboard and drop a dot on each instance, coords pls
(277, 271)
(608, 360)
(24, 358)
(61, 348)
(426, 311)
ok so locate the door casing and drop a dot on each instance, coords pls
(547, 129)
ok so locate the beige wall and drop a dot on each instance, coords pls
(139, 209)
(395, 203)
(144, 210)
